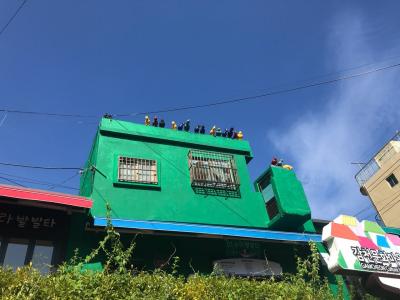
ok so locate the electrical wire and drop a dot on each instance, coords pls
(382, 210)
(272, 93)
(38, 167)
(363, 210)
(13, 16)
(185, 107)
(42, 184)
(184, 175)
(49, 114)
(35, 181)
(223, 102)
(62, 182)
(12, 181)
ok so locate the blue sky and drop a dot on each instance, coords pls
(93, 57)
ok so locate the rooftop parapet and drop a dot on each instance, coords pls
(166, 135)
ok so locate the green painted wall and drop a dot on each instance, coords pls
(175, 199)
(87, 177)
(291, 200)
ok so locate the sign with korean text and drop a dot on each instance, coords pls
(361, 247)
(16, 218)
(243, 248)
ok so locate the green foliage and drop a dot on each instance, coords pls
(117, 258)
(119, 280)
(26, 283)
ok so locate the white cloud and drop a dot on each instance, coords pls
(357, 113)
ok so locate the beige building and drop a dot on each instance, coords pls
(379, 179)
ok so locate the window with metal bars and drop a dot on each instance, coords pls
(137, 170)
(213, 170)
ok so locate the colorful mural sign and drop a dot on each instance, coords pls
(361, 246)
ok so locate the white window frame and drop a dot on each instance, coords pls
(137, 170)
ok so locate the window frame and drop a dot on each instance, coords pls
(262, 184)
(31, 244)
(272, 208)
(132, 184)
(392, 178)
(195, 156)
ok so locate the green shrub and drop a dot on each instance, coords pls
(27, 283)
(119, 280)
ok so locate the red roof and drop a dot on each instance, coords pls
(44, 196)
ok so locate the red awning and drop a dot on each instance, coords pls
(19, 193)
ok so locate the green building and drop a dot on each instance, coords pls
(177, 193)
(191, 195)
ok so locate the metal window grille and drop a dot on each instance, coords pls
(213, 170)
(137, 170)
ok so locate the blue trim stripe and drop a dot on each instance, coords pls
(211, 230)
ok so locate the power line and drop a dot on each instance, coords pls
(11, 181)
(38, 182)
(330, 74)
(363, 210)
(184, 174)
(223, 102)
(38, 167)
(62, 182)
(382, 209)
(282, 91)
(217, 103)
(12, 17)
(16, 181)
(49, 114)
(374, 214)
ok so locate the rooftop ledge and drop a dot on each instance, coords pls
(112, 127)
(41, 196)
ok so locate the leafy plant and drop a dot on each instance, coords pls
(119, 280)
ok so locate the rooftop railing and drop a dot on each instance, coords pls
(371, 167)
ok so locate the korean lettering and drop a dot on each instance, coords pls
(377, 260)
(3, 217)
(36, 222)
(21, 221)
(49, 222)
(9, 219)
(6, 218)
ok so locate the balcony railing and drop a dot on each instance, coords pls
(371, 167)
